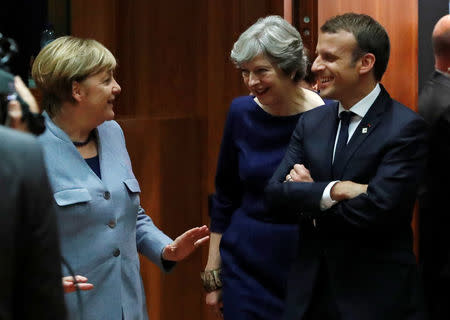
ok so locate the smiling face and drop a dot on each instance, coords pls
(265, 80)
(96, 94)
(337, 73)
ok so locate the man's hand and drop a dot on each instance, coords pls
(299, 174)
(345, 190)
(185, 244)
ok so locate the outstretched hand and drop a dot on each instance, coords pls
(186, 243)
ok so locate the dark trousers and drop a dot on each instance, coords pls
(323, 305)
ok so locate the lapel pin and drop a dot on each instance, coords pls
(364, 130)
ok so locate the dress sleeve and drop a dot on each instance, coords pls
(228, 184)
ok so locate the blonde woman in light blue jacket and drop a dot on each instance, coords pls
(101, 223)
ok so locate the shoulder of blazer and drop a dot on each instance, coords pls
(329, 109)
(21, 154)
(111, 130)
(17, 144)
(440, 78)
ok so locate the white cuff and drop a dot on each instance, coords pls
(326, 202)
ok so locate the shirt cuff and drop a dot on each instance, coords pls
(326, 202)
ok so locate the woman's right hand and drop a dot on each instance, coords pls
(214, 302)
(214, 298)
(82, 284)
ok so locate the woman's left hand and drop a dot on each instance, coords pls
(69, 284)
(185, 244)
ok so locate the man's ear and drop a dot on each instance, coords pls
(367, 63)
(76, 91)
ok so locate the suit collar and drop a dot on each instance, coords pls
(57, 131)
(54, 129)
(439, 76)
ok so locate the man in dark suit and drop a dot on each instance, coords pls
(30, 272)
(434, 106)
(350, 175)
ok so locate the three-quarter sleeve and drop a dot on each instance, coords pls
(227, 197)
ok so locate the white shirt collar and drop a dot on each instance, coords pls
(363, 105)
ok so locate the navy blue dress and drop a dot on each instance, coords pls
(256, 251)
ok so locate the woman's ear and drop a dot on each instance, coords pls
(76, 91)
(367, 63)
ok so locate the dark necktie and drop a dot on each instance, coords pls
(345, 117)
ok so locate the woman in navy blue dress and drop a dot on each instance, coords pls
(250, 253)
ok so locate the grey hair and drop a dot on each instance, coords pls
(276, 39)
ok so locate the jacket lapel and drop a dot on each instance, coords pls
(323, 139)
(367, 125)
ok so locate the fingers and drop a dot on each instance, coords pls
(201, 241)
(365, 186)
(85, 286)
(197, 232)
(25, 94)
(69, 284)
(78, 277)
(214, 301)
(345, 190)
(186, 243)
(299, 174)
(14, 109)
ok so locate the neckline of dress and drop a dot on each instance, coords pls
(258, 106)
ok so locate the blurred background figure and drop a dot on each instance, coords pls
(18, 107)
(434, 106)
(30, 271)
(309, 81)
(102, 225)
(250, 253)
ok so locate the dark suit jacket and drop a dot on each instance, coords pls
(365, 242)
(30, 274)
(434, 106)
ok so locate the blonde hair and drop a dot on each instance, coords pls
(65, 60)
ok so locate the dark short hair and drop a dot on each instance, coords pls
(370, 37)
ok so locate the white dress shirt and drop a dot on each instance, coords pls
(359, 109)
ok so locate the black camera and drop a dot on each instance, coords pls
(35, 122)
(6, 94)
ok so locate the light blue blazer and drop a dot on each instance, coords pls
(101, 223)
